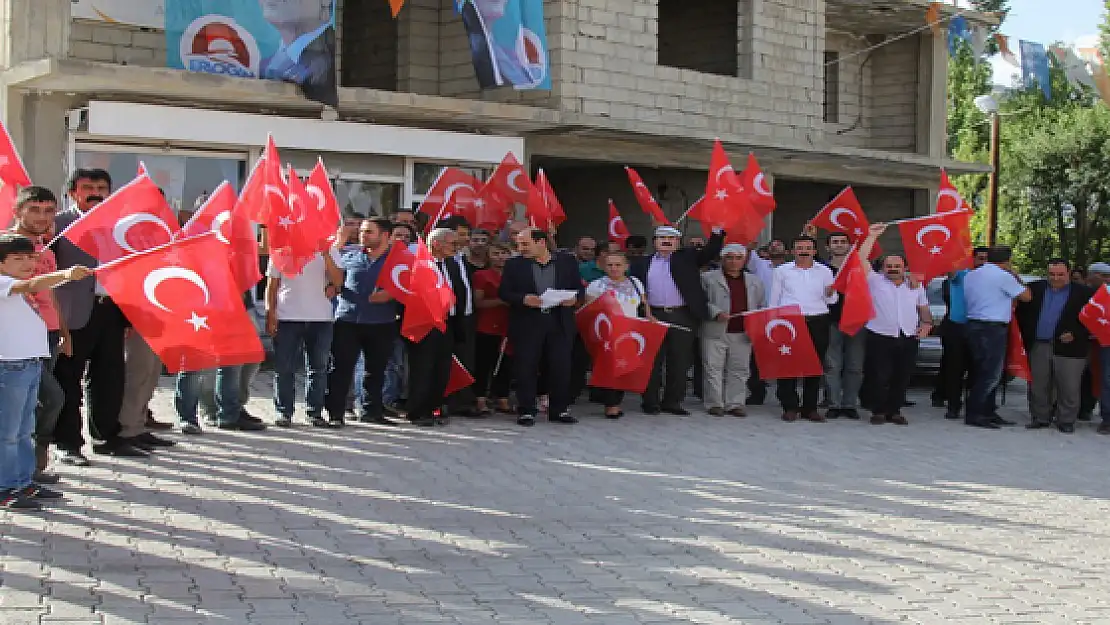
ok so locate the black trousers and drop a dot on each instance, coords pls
(891, 362)
(487, 351)
(375, 342)
(550, 345)
(675, 356)
(955, 365)
(579, 368)
(757, 388)
(787, 389)
(464, 332)
(429, 371)
(610, 398)
(99, 347)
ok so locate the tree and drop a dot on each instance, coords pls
(1104, 31)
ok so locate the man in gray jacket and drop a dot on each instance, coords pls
(97, 326)
(726, 350)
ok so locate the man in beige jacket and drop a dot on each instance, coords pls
(726, 350)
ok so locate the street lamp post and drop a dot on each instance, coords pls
(989, 105)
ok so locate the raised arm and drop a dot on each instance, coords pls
(873, 234)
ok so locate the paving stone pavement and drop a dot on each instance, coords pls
(645, 520)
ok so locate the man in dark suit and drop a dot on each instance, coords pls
(1057, 344)
(97, 328)
(672, 278)
(540, 335)
(459, 274)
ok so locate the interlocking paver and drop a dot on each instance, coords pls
(639, 521)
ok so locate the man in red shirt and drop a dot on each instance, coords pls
(492, 377)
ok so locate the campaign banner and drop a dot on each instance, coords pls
(287, 40)
(148, 14)
(508, 42)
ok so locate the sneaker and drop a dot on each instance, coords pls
(38, 491)
(120, 449)
(192, 429)
(246, 416)
(14, 499)
(72, 458)
(283, 422)
(562, 417)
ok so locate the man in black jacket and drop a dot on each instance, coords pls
(540, 334)
(672, 278)
(1057, 344)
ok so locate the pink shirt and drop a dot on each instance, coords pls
(43, 301)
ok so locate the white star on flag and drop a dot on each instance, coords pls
(935, 250)
(285, 222)
(622, 364)
(722, 194)
(607, 347)
(858, 232)
(197, 322)
(479, 202)
(785, 350)
(1103, 321)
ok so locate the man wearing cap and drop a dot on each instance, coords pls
(726, 350)
(672, 277)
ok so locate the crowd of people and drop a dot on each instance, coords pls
(66, 344)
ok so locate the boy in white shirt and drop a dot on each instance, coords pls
(23, 348)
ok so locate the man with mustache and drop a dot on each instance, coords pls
(97, 327)
(901, 319)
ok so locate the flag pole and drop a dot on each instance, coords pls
(910, 219)
(497, 367)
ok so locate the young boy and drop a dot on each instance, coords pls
(23, 348)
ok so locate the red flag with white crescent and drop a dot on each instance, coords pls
(1095, 316)
(726, 205)
(452, 193)
(937, 244)
(8, 194)
(134, 219)
(293, 244)
(222, 214)
(1017, 360)
(264, 195)
(323, 216)
(618, 232)
(851, 281)
(431, 297)
(184, 301)
(555, 213)
(845, 215)
(511, 180)
(645, 199)
(948, 197)
(396, 275)
(623, 348)
(781, 343)
(755, 185)
(11, 165)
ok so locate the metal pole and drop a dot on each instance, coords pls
(992, 197)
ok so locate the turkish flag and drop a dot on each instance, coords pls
(755, 185)
(452, 193)
(430, 299)
(292, 243)
(555, 213)
(323, 218)
(623, 348)
(11, 166)
(592, 318)
(396, 275)
(221, 213)
(1095, 315)
(491, 209)
(134, 219)
(851, 281)
(183, 300)
(645, 199)
(1017, 361)
(948, 197)
(460, 377)
(265, 193)
(618, 232)
(726, 205)
(510, 180)
(8, 193)
(781, 343)
(845, 215)
(937, 244)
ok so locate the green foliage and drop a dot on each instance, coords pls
(1104, 30)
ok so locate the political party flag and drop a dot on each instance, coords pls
(508, 43)
(1035, 68)
(252, 39)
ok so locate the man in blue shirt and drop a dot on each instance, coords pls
(365, 322)
(989, 293)
(955, 363)
(1057, 344)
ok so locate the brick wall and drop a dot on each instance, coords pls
(894, 75)
(369, 46)
(113, 43)
(853, 127)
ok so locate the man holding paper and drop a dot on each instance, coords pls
(542, 290)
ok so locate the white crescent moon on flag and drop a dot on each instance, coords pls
(834, 217)
(275, 190)
(158, 276)
(760, 184)
(124, 225)
(453, 188)
(511, 181)
(950, 193)
(1098, 306)
(723, 170)
(933, 228)
(613, 228)
(641, 343)
(602, 318)
(784, 323)
(395, 275)
(317, 194)
(218, 225)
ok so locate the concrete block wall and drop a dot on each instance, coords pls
(117, 43)
(854, 95)
(894, 106)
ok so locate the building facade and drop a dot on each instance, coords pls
(824, 92)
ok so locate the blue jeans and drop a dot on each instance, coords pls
(987, 343)
(844, 367)
(1104, 384)
(19, 395)
(190, 385)
(394, 374)
(300, 343)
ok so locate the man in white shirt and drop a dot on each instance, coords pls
(902, 318)
(808, 285)
(989, 294)
(299, 317)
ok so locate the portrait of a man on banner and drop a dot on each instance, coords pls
(508, 44)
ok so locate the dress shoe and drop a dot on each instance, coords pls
(391, 409)
(562, 417)
(716, 412)
(147, 438)
(70, 457)
(14, 499)
(951, 416)
(337, 422)
(986, 424)
(1066, 428)
(440, 420)
(43, 477)
(897, 419)
(678, 411)
(152, 424)
(1104, 428)
(814, 416)
(192, 429)
(614, 415)
(526, 420)
(246, 416)
(738, 412)
(119, 449)
(38, 491)
(997, 420)
(878, 419)
(377, 420)
(650, 409)
(1037, 425)
(790, 416)
(849, 413)
(138, 444)
(242, 426)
